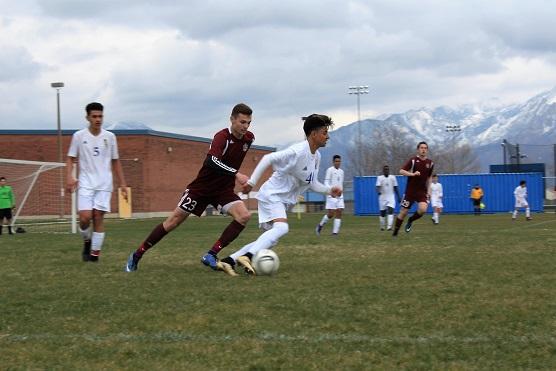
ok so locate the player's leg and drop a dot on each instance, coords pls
(1, 220)
(330, 206)
(390, 217)
(85, 202)
(189, 203)
(421, 210)
(101, 205)
(527, 211)
(405, 205)
(241, 215)
(382, 219)
(337, 221)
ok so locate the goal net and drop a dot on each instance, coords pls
(41, 203)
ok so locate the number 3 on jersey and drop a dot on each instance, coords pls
(309, 178)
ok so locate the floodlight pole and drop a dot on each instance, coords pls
(358, 90)
(58, 86)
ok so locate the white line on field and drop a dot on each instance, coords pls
(528, 225)
(274, 337)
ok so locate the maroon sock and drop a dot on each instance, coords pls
(230, 233)
(398, 223)
(414, 217)
(156, 235)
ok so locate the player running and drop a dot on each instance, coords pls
(213, 185)
(520, 194)
(436, 199)
(295, 171)
(96, 150)
(418, 169)
(334, 205)
(386, 187)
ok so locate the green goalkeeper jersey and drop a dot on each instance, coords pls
(7, 199)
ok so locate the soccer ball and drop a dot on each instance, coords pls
(266, 262)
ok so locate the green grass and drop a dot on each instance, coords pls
(471, 293)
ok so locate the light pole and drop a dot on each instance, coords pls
(58, 86)
(358, 90)
(453, 130)
(504, 153)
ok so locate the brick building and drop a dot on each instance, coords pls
(157, 165)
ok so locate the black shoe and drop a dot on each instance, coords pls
(86, 251)
(395, 233)
(408, 227)
(93, 258)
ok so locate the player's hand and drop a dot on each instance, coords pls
(242, 178)
(71, 185)
(417, 173)
(123, 189)
(336, 192)
(246, 188)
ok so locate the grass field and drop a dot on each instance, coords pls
(471, 293)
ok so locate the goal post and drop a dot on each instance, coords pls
(40, 199)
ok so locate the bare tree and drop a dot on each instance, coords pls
(456, 159)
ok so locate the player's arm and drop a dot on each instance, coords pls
(328, 177)
(12, 198)
(119, 171)
(377, 186)
(71, 182)
(214, 161)
(284, 158)
(407, 169)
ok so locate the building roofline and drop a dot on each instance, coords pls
(126, 132)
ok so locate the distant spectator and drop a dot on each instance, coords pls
(7, 204)
(477, 198)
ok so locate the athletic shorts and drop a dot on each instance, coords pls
(5, 213)
(89, 199)
(521, 202)
(476, 202)
(333, 203)
(195, 202)
(408, 200)
(386, 202)
(268, 211)
(436, 202)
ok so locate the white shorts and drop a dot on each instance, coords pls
(436, 202)
(385, 203)
(333, 203)
(521, 202)
(268, 211)
(89, 199)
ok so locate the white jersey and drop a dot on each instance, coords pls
(334, 177)
(387, 185)
(436, 191)
(295, 171)
(95, 154)
(520, 194)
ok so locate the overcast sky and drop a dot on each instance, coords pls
(180, 66)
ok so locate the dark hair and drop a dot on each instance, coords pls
(522, 182)
(94, 106)
(419, 144)
(435, 175)
(2, 178)
(241, 108)
(336, 157)
(315, 121)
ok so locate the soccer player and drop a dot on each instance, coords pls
(213, 185)
(334, 205)
(295, 171)
(96, 152)
(520, 194)
(386, 187)
(419, 170)
(7, 204)
(477, 198)
(436, 199)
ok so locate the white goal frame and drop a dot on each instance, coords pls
(43, 167)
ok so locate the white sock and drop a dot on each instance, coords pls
(265, 241)
(435, 217)
(528, 212)
(390, 220)
(336, 227)
(382, 221)
(97, 240)
(514, 214)
(86, 233)
(324, 220)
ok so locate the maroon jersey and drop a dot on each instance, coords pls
(223, 161)
(417, 185)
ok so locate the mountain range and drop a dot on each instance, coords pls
(532, 124)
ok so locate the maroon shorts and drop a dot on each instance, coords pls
(409, 199)
(195, 201)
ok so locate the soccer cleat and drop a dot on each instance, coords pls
(86, 251)
(528, 218)
(132, 262)
(226, 268)
(318, 229)
(433, 221)
(408, 227)
(210, 260)
(389, 228)
(381, 228)
(334, 234)
(395, 233)
(245, 262)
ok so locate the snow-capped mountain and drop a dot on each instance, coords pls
(127, 125)
(482, 126)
